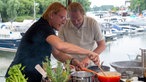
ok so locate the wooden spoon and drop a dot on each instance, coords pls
(88, 70)
(102, 70)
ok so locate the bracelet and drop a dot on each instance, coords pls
(71, 61)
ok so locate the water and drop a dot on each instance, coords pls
(5, 60)
(115, 51)
(119, 49)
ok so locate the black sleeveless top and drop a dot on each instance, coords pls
(33, 48)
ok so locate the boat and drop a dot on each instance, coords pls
(107, 31)
(9, 40)
(127, 28)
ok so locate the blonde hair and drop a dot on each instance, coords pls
(53, 8)
(74, 6)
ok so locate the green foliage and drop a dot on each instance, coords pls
(114, 9)
(138, 5)
(59, 74)
(26, 7)
(12, 9)
(86, 4)
(21, 18)
(1, 6)
(15, 74)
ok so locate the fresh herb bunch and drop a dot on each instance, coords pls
(15, 74)
(59, 74)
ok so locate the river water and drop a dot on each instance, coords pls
(116, 50)
(119, 49)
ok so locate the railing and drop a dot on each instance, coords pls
(143, 54)
(143, 60)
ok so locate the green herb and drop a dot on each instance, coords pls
(15, 74)
(59, 74)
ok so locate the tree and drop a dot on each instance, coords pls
(3, 10)
(95, 8)
(114, 9)
(43, 4)
(85, 3)
(138, 5)
(26, 7)
(12, 7)
(1, 6)
(106, 7)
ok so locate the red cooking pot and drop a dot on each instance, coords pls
(109, 76)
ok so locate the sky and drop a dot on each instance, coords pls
(107, 2)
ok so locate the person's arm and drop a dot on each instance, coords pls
(64, 57)
(101, 47)
(65, 47)
(60, 55)
(99, 37)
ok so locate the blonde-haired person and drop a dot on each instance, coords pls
(82, 31)
(40, 41)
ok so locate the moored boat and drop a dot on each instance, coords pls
(9, 39)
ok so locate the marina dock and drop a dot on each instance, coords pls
(7, 49)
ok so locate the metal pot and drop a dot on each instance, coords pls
(82, 76)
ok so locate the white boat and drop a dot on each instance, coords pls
(127, 28)
(9, 39)
(107, 31)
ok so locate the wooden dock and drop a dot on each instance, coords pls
(8, 49)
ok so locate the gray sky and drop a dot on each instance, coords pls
(107, 2)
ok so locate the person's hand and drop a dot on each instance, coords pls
(94, 57)
(85, 62)
(77, 64)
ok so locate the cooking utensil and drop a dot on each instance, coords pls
(82, 76)
(110, 77)
(88, 70)
(123, 66)
(101, 70)
(102, 63)
(96, 68)
(41, 70)
(99, 66)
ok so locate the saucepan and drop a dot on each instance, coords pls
(82, 76)
(109, 76)
(96, 68)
